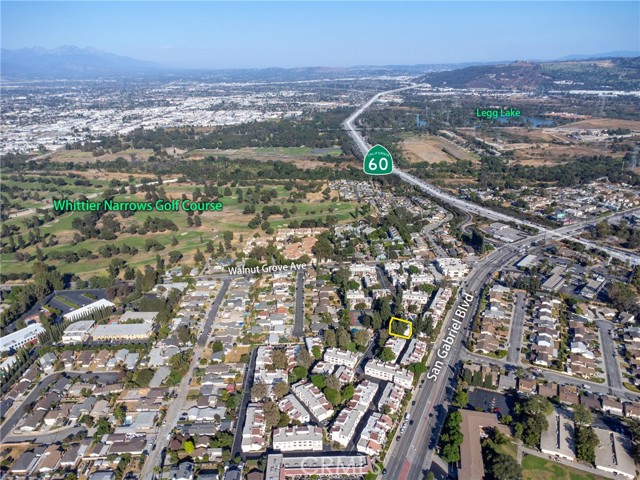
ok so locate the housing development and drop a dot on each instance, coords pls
(465, 305)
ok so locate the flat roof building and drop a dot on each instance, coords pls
(336, 356)
(302, 439)
(613, 454)
(87, 310)
(333, 464)
(557, 440)
(77, 332)
(122, 331)
(20, 338)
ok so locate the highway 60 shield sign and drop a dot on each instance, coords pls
(378, 161)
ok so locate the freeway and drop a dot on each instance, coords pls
(175, 407)
(411, 455)
(559, 234)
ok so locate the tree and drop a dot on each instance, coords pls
(331, 381)
(586, 443)
(333, 396)
(304, 358)
(461, 398)
(299, 372)
(330, 339)
(582, 415)
(344, 339)
(271, 414)
(259, 391)
(280, 389)
(387, 355)
(280, 360)
(318, 380)
(188, 446)
(198, 257)
(317, 352)
(361, 337)
(348, 392)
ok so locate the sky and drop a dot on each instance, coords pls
(299, 34)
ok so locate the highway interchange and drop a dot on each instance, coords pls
(411, 456)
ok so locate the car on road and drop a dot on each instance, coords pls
(407, 416)
(411, 422)
(413, 402)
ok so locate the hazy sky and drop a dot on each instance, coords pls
(290, 34)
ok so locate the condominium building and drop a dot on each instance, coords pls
(311, 396)
(305, 438)
(336, 356)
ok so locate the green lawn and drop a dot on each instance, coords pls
(538, 468)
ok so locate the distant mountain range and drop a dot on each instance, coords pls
(69, 61)
(621, 73)
(76, 62)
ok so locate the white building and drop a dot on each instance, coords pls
(77, 332)
(141, 317)
(557, 440)
(302, 439)
(613, 454)
(310, 396)
(254, 429)
(122, 331)
(20, 338)
(344, 426)
(337, 356)
(297, 412)
(389, 372)
(87, 310)
(452, 267)
(374, 434)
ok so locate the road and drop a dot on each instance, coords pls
(608, 349)
(246, 398)
(298, 326)
(176, 406)
(516, 328)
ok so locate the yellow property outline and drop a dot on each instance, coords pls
(406, 337)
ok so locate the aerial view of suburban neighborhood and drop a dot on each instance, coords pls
(234, 248)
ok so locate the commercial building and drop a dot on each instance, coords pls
(87, 310)
(280, 466)
(291, 439)
(77, 332)
(557, 440)
(452, 267)
(20, 338)
(122, 331)
(138, 317)
(473, 424)
(613, 454)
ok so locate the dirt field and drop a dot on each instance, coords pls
(303, 157)
(429, 148)
(606, 123)
(78, 156)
